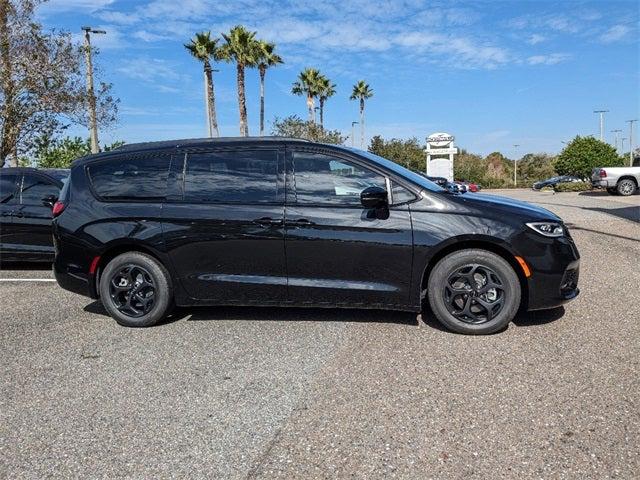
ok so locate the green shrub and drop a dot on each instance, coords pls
(573, 187)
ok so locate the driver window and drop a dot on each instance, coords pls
(324, 179)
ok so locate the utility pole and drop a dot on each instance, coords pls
(630, 122)
(616, 132)
(601, 112)
(515, 166)
(622, 145)
(93, 125)
(353, 132)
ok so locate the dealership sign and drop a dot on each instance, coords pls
(440, 151)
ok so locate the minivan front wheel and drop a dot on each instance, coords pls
(474, 292)
(136, 290)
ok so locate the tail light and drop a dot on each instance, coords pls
(603, 173)
(58, 208)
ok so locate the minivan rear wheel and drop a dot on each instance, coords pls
(136, 290)
(474, 292)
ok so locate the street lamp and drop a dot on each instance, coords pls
(515, 166)
(616, 132)
(353, 124)
(631, 122)
(601, 112)
(93, 126)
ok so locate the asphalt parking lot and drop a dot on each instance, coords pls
(294, 393)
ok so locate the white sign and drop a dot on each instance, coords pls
(440, 151)
(440, 139)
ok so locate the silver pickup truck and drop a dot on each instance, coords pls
(617, 180)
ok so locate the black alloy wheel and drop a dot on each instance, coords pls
(132, 290)
(474, 294)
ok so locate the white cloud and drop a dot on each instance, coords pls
(550, 59)
(59, 6)
(615, 33)
(536, 38)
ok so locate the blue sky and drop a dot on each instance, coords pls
(492, 73)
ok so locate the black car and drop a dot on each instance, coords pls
(553, 181)
(444, 183)
(27, 196)
(274, 221)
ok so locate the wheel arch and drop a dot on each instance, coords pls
(628, 177)
(114, 250)
(482, 244)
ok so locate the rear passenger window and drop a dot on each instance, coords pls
(35, 189)
(244, 176)
(131, 178)
(8, 188)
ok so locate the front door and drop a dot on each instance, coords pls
(224, 227)
(338, 252)
(32, 220)
(9, 204)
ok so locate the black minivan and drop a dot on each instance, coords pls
(277, 221)
(27, 196)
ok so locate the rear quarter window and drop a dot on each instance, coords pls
(137, 179)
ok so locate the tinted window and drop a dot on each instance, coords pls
(245, 176)
(35, 188)
(8, 188)
(131, 178)
(400, 194)
(322, 178)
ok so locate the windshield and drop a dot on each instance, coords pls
(400, 170)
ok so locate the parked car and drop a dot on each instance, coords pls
(275, 221)
(463, 187)
(443, 182)
(26, 198)
(617, 180)
(553, 181)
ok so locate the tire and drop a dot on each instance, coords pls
(612, 191)
(143, 276)
(626, 187)
(449, 306)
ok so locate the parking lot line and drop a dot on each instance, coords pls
(27, 279)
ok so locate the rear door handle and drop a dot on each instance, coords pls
(265, 221)
(301, 222)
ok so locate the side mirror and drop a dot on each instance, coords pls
(49, 200)
(374, 197)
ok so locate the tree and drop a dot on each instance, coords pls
(59, 153)
(294, 127)
(204, 48)
(41, 82)
(408, 153)
(241, 48)
(584, 154)
(266, 58)
(308, 84)
(326, 89)
(361, 91)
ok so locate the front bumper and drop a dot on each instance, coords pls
(555, 267)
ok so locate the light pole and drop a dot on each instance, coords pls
(630, 122)
(622, 144)
(93, 126)
(353, 132)
(515, 166)
(616, 132)
(601, 112)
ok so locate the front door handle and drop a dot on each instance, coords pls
(301, 222)
(268, 221)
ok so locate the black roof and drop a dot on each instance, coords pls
(196, 142)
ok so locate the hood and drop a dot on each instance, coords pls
(508, 205)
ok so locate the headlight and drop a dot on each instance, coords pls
(548, 229)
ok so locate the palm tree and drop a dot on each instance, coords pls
(204, 48)
(361, 91)
(307, 84)
(240, 47)
(326, 89)
(266, 58)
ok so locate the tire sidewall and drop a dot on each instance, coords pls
(455, 260)
(163, 291)
(626, 181)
